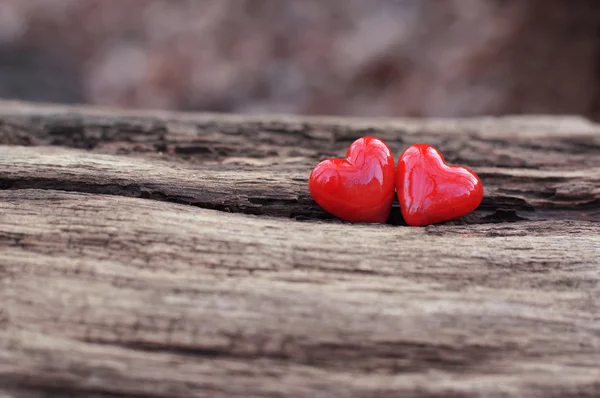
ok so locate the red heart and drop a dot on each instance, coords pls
(430, 192)
(359, 188)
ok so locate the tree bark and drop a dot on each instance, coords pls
(151, 254)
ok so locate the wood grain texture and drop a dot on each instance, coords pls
(126, 268)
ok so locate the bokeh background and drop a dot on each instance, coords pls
(337, 57)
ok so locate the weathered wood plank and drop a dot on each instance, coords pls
(118, 295)
(566, 143)
(106, 293)
(282, 190)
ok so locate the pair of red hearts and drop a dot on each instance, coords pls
(361, 187)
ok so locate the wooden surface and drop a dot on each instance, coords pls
(151, 254)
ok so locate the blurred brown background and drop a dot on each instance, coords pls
(346, 57)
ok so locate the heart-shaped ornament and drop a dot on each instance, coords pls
(359, 188)
(430, 191)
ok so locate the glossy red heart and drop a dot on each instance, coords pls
(430, 192)
(359, 188)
